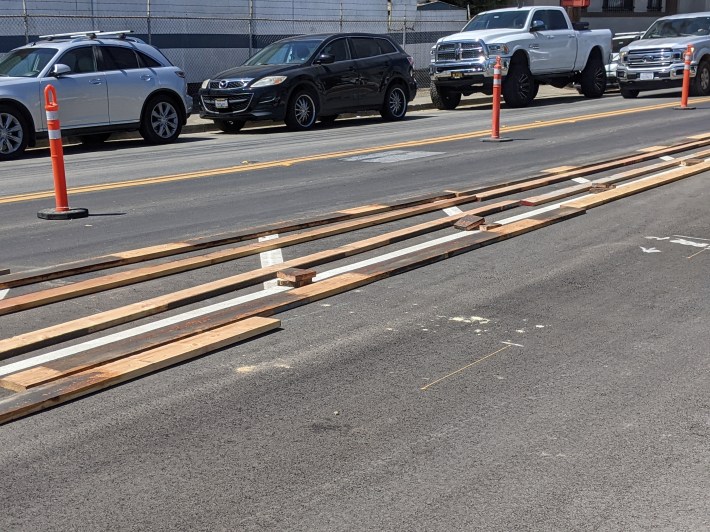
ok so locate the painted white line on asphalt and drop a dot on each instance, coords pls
(40, 359)
(581, 180)
(452, 210)
(111, 338)
(394, 156)
(3, 293)
(691, 237)
(269, 258)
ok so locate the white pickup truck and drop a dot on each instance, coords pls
(537, 45)
(657, 61)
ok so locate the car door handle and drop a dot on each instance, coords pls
(96, 81)
(550, 36)
(534, 46)
(146, 77)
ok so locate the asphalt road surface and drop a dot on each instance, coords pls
(554, 381)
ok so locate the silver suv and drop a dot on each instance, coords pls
(105, 82)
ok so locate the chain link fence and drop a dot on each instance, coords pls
(204, 46)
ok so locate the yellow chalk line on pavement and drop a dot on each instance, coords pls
(464, 368)
(334, 155)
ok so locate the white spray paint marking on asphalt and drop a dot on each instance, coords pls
(269, 258)
(581, 180)
(395, 156)
(40, 359)
(111, 338)
(452, 211)
(650, 250)
(691, 237)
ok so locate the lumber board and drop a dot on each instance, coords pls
(147, 273)
(205, 334)
(52, 335)
(634, 188)
(99, 378)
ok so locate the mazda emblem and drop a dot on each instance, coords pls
(223, 84)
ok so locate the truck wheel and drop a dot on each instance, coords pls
(518, 85)
(443, 99)
(701, 83)
(629, 93)
(592, 81)
(13, 133)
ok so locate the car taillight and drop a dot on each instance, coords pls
(180, 74)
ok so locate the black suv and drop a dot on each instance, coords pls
(303, 78)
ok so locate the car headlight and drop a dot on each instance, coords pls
(268, 81)
(622, 57)
(205, 83)
(498, 49)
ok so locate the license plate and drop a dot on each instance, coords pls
(646, 75)
(456, 75)
(221, 103)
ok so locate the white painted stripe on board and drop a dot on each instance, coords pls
(3, 293)
(269, 258)
(129, 333)
(452, 211)
(581, 180)
(667, 158)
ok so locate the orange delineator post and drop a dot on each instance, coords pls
(686, 77)
(495, 131)
(56, 148)
(62, 210)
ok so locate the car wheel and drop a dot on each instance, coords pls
(160, 123)
(629, 93)
(395, 105)
(93, 140)
(592, 80)
(701, 83)
(302, 111)
(328, 120)
(518, 86)
(443, 99)
(13, 133)
(229, 126)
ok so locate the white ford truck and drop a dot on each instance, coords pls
(656, 61)
(537, 45)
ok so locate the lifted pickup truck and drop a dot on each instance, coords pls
(657, 60)
(537, 45)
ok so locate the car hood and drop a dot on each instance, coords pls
(478, 35)
(12, 81)
(255, 71)
(668, 42)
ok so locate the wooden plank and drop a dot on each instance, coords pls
(295, 277)
(99, 378)
(640, 186)
(146, 273)
(555, 195)
(469, 223)
(192, 333)
(4, 272)
(652, 149)
(26, 342)
(558, 169)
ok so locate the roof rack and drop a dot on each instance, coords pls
(87, 35)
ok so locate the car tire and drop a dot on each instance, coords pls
(445, 100)
(327, 120)
(302, 111)
(395, 105)
(592, 80)
(160, 123)
(95, 139)
(518, 86)
(700, 85)
(14, 133)
(629, 93)
(229, 126)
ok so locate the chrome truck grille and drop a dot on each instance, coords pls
(459, 51)
(660, 57)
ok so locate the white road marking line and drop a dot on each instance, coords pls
(40, 359)
(269, 258)
(452, 211)
(3, 293)
(511, 343)
(692, 237)
(394, 156)
(111, 338)
(581, 180)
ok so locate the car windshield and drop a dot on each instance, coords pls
(497, 20)
(26, 62)
(285, 52)
(678, 27)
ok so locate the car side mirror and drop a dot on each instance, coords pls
(324, 59)
(60, 69)
(537, 25)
